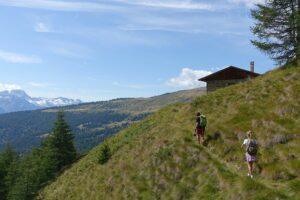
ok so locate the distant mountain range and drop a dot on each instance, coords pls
(91, 123)
(19, 100)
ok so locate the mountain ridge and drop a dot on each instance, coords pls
(91, 123)
(19, 100)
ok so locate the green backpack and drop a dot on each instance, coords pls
(203, 120)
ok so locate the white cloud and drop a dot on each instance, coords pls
(59, 5)
(171, 4)
(18, 58)
(188, 78)
(42, 28)
(185, 24)
(247, 3)
(139, 16)
(9, 87)
(62, 5)
(110, 5)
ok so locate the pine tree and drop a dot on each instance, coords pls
(104, 154)
(31, 173)
(278, 29)
(26, 183)
(25, 178)
(7, 160)
(60, 143)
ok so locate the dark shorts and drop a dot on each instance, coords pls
(200, 131)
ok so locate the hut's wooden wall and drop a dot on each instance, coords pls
(217, 84)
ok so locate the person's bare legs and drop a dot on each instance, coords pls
(202, 135)
(250, 168)
(199, 138)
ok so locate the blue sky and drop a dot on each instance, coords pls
(104, 49)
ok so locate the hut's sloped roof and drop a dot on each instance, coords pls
(229, 73)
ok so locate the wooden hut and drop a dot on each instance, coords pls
(228, 76)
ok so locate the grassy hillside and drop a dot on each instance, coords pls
(159, 158)
(90, 122)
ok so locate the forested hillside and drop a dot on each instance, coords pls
(90, 122)
(159, 157)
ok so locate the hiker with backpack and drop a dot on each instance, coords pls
(251, 152)
(200, 127)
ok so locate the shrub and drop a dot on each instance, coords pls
(105, 154)
(164, 153)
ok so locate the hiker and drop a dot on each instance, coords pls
(200, 127)
(251, 151)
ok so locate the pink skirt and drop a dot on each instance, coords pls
(250, 158)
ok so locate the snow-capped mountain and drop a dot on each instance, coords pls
(18, 100)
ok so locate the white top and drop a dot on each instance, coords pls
(246, 141)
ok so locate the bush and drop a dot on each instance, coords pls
(105, 154)
(164, 153)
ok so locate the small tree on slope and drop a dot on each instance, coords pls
(278, 29)
(105, 154)
(60, 142)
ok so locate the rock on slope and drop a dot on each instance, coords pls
(158, 158)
